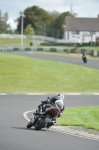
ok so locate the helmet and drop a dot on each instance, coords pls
(84, 53)
(57, 97)
(59, 103)
(60, 96)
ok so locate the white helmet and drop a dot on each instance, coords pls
(60, 100)
(59, 103)
(60, 96)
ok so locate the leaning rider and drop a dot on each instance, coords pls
(84, 55)
(56, 101)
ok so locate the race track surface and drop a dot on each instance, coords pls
(15, 136)
(77, 61)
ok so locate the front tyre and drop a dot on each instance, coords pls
(86, 60)
(42, 123)
(29, 125)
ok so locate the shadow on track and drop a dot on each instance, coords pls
(23, 128)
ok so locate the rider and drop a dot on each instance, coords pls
(56, 101)
(84, 55)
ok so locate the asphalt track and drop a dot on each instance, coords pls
(15, 136)
(77, 61)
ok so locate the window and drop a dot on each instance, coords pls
(92, 33)
(75, 32)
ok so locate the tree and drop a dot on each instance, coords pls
(55, 14)
(4, 27)
(59, 22)
(37, 17)
(29, 30)
(43, 22)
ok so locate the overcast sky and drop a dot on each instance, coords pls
(83, 8)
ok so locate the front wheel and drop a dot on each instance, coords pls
(42, 123)
(29, 125)
(85, 60)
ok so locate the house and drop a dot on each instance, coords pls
(81, 30)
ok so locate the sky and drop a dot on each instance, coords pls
(83, 8)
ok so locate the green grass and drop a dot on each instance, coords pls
(22, 74)
(76, 55)
(87, 117)
(89, 47)
(18, 41)
(14, 41)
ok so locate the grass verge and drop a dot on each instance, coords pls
(22, 74)
(14, 41)
(87, 117)
(76, 55)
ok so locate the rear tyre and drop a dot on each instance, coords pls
(85, 60)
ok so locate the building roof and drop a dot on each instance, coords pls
(82, 24)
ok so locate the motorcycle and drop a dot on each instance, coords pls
(42, 119)
(84, 58)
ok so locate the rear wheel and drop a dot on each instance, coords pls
(42, 123)
(85, 60)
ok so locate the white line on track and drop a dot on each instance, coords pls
(82, 136)
(25, 115)
(46, 93)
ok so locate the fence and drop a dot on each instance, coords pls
(68, 50)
